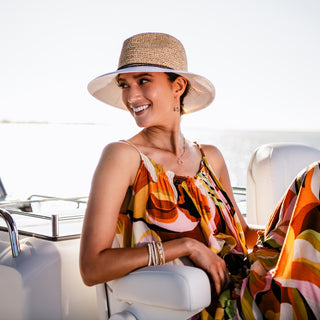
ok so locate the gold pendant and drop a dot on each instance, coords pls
(180, 162)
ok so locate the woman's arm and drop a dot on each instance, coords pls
(114, 174)
(218, 165)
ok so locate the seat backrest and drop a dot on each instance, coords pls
(271, 169)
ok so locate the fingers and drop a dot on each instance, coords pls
(220, 276)
(213, 264)
(217, 282)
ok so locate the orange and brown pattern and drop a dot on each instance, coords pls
(284, 278)
(284, 281)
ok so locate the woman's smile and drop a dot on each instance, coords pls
(137, 110)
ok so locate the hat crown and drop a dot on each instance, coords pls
(153, 49)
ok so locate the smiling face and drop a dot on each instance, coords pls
(150, 97)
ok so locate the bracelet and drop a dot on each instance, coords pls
(149, 253)
(161, 252)
(155, 256)
(152, 259)
(155, 253)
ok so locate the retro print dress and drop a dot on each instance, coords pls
(278, 279)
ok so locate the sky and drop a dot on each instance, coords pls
(263, 58)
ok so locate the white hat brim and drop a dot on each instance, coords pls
(105, 88)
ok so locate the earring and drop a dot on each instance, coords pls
(176, 108)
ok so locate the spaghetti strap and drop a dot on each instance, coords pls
(199, 147)
(132, 145)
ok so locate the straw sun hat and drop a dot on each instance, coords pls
(153, 52)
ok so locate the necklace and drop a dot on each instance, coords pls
(179, 159)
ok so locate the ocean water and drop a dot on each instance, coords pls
(60, 159)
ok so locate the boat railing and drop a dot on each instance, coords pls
(13, 232)
(240, 191)
(52, 218)
(3, 192)
(240, 194)
(43, 198)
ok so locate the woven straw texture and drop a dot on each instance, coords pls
(156, 49)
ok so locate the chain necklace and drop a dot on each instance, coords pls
(179, 159)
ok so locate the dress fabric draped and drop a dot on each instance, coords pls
(278, 279)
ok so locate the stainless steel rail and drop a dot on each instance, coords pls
(35, 227)
(45, 199)
(239, 190)
(13, 232)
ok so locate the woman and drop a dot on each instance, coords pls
(164, 198)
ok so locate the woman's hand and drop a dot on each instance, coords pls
(207, 260)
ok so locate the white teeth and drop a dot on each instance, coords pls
(140, 108)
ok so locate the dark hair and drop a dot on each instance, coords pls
(172, 77)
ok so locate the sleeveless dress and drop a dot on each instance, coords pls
(164, 206)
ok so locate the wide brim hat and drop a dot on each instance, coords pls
(153, 52)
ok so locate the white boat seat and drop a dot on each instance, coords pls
(172, 292)
(271, 170)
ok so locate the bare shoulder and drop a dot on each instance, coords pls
(120, 149)
(211, 150)
(215, 158)
(121, 157)
(212, 153)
